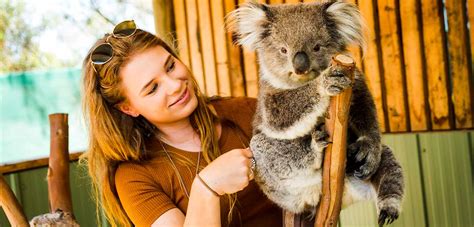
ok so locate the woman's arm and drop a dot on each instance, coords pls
(227, 174)
(203, 210)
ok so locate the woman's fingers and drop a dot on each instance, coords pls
(247, 152)
(251, 163)
(251, 174)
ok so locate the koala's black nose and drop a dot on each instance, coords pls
(301, 62)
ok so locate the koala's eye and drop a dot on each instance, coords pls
(317, 48)
(283, 50)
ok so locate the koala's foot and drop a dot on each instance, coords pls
(336, 80)
(363, 158)
(389, 210)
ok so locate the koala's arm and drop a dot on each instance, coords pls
(366, 150)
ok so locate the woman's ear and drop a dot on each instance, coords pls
(127, 109)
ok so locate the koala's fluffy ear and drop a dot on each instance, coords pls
(349, 22)
(249, 24)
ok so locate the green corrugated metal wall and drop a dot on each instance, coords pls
(438, 177)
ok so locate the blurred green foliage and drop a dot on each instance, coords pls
(19, 49)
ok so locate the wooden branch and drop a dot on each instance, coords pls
(59, 191)
(11, 206)
(296, 220)
(335, 154)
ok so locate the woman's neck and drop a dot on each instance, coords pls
(179, 133)
(182, 135)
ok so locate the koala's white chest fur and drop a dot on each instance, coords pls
(303, 189)
(301, 127)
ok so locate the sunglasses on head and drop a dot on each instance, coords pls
(102, 53)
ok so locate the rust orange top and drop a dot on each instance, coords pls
(150, 188)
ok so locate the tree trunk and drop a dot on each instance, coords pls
(335, 154)
(334, 158)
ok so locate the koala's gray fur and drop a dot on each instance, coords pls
(295, 44)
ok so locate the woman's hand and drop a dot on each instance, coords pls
(230, 172)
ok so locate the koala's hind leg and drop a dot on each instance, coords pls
(389, 186)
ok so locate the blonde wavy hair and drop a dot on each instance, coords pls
(115, 137)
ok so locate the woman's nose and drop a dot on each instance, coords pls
(173, 85)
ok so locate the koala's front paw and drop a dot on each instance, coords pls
(319, 141)
(363, 158)
(320, 137)
(336, 80)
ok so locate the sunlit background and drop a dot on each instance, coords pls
(42, 45)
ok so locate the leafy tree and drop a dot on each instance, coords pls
(75, 26)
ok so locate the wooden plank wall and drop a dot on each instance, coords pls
(418, 62)
(437, 168)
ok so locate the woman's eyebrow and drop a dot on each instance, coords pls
(168, 59)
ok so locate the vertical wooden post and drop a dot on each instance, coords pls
(10, 205)
(164, 19)
(59, 191)
(335, 154)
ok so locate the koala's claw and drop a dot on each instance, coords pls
(324, 144)
(388, 215)
(337, 73)
(336, 81)
(335, 89)
(363, 158)
(320, 136)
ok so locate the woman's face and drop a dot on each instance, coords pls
(158, 87)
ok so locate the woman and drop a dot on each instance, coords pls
(160, 152)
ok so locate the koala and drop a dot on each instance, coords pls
(294, 44)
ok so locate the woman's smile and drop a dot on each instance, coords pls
(183, 98)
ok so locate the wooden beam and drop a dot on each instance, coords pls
(412, 48)
(33, 164)
(194, 37)
(459, 65)
(470, 13)
(433, 33)
(236, 72)
(391, 57)
(164, 19)
(220, 46)
(371, 60)
(276, 1)
(182, 32)
(207, 47)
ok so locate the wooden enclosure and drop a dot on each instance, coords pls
(438, 180)
(418, 64)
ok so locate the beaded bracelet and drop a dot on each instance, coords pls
(207, 186)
